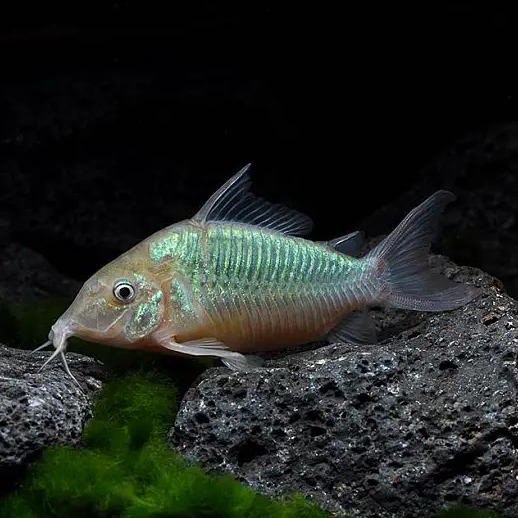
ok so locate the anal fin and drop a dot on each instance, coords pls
(356, 328)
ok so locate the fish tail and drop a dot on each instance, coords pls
(401, 263)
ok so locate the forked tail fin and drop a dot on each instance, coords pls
(402, 261)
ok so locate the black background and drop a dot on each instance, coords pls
(117, 119)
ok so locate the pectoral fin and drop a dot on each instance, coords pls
(210, 347)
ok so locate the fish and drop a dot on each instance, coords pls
(241, 277)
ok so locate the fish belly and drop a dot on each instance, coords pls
(262, 290)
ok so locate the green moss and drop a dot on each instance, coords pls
(28, 325)
(125, 468)
(16, 506)
(126, 419)
(77, 482)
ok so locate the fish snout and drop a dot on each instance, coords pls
(58, 336)
(60, 332)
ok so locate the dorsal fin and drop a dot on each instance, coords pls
(233, 201)
(349, 244)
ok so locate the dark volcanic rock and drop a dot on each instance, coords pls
(427, 418)
(27, 277)
(42, 409)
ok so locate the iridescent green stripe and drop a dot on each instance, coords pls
(295, 263)
(262, 275)
(258, 263)
(164, 247)
(326, 267)
(216, 248)
(145, 318)
(276, 251)
(239, 254)
(183, 246)
(227, 256)
(250, 245)
(309, 271)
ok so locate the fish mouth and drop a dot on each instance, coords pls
(58, 335)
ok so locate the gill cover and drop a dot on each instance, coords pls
(148, 312)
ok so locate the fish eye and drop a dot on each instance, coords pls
(124, 291)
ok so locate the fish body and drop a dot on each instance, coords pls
(239, 277)
(254, 289)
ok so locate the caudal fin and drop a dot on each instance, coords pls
(402, 260)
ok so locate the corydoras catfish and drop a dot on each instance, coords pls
(238, 277)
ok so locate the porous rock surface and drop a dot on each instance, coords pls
(40, 409)
(425, 419)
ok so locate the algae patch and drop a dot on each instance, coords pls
(124, 468)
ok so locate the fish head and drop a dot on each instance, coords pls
(115, 306)
(119, 305)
